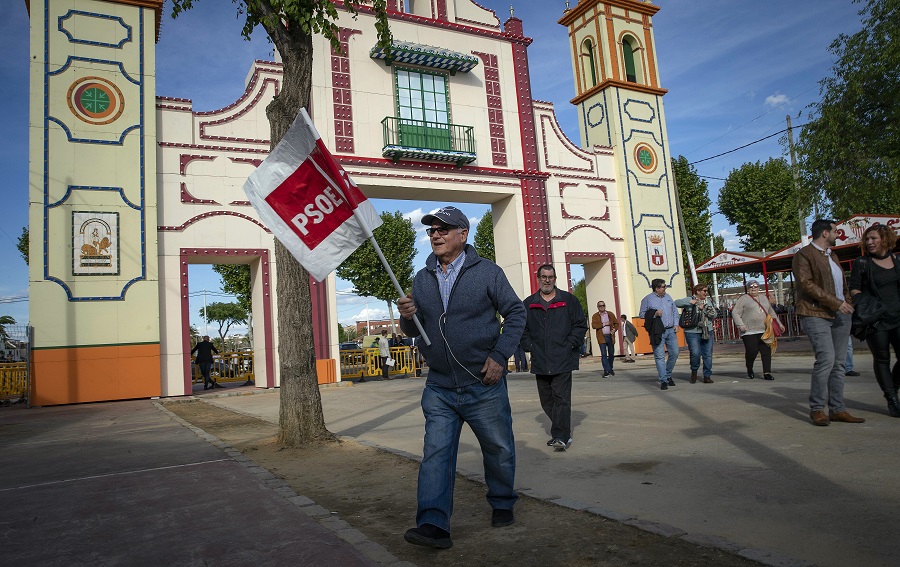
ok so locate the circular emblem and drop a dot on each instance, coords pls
(95, 100)
(645, 157)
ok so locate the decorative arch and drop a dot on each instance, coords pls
(632, 58)
(588, 62)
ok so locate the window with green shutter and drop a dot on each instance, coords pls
(423, 110)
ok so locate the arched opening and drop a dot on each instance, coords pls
(629, 48)
(588, 64)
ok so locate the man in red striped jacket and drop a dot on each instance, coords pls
(554, 331)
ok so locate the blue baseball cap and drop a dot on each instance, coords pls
(450, 216)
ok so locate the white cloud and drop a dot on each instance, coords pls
(776, 100)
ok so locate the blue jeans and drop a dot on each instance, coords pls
(848, 365)
(664, 367)
(607, 352)
(829, 342)
(700, 348)
(486, 409)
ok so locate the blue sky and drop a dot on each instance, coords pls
(734, 69)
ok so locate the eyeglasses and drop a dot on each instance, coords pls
(601, 305)
(441, 230)
(547, 278)
(753, 285)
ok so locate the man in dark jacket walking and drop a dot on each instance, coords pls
(457, 297)
(205, 350)
(554, 331)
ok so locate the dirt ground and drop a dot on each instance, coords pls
(375, 492)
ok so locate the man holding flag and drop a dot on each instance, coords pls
(458, 295)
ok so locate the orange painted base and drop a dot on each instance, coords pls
(642, 344)
(326, 370)
(95, 374)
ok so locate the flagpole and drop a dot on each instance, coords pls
(384, 262)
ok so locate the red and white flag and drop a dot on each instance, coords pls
(309, 202)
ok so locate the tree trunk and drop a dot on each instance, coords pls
(300, 417)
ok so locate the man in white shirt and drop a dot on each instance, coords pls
(384, 353)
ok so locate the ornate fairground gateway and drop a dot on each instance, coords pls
(128, 188)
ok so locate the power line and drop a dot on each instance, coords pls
(744, 146)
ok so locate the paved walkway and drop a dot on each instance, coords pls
(736, 463)
(125, 483)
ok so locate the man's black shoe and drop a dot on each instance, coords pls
(606, 374)
(611, 373)
(502, 518)
(429, 535)
(670, 382)
(852, 373)
(663, 386)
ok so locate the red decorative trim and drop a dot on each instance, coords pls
(268, 334)
(574, 150)
(231, 118)
(172, 98)
(576, 227)
(185, 159)
(510, 184)
(252, 161)
(576, 256)
(441, 12)
(342, 94)
(186, 197)
(189, 222)
(566, 215)
(431, 22)
(318, 296)
(213, 148)
(414, 165)
(534, 192)
(494, 106)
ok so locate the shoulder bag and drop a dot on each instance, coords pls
(689, 317)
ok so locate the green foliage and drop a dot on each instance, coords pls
(283, 19)
(759, 200)
(22, 244)
(484, 237)
(236, 281)
(363, 269)
(693, 194)
(4, 321)
(225, 315)
(848, 152)
(580, 291)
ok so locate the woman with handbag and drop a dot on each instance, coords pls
(750, 315)
(874, 279)
(700, 338)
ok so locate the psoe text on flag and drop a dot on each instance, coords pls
(309, 202)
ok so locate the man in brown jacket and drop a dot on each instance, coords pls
(823, 304)
(606, 323)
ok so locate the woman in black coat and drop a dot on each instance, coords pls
(877, 274)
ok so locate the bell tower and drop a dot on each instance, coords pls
(620, 104)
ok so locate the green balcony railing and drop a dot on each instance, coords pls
(420, 139)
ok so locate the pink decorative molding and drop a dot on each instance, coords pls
(579, 258)
(190, 221)
(580, 226)
(212, 254)
(342, 94)
(566, 215)
(534, 191)
(247, 103)
(494, 106)
(186, 197)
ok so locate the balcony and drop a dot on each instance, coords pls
(420, 139)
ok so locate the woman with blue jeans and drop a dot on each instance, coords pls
(700, 339)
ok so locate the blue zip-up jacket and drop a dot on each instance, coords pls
(554, 335)
(469, 327)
